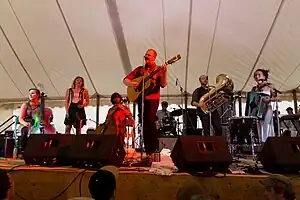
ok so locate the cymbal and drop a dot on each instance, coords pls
(178, 112)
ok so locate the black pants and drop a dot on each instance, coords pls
(150, 132)
(215, 121)
(23, 139)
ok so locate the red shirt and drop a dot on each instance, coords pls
(154, 91)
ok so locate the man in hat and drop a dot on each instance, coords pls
(278, 187)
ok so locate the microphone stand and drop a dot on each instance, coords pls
(182, 111)
(143, 109)
(185, 115)
(276, 109)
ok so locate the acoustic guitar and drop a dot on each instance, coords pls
(133, 93)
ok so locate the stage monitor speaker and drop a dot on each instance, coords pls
(95, 151)
(281, 155)
(7, 144)
(201, 154)
(167, 143)
(48, 149)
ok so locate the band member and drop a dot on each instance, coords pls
(77, 98)
(290, 126)
(118, 118)
(30, 111)
(151, 99)
(266, 124)
(205, 118)
(163, 112)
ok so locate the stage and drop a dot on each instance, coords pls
(134, 183)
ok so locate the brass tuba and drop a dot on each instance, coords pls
(216, 96)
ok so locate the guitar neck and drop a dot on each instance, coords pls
(152, 74)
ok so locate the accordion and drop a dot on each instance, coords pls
(255, 106)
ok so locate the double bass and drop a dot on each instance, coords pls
(115, 125)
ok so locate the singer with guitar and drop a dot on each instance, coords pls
(34, 117)
(151, 97)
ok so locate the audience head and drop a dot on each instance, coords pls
(192, 190)
(278, 187)
(5, 185)
(102, 184)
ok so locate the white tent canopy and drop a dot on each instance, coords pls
(233, 37)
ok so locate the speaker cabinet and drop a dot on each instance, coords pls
(95, 151)
(281, 155)
(48, 149)
(201, 154)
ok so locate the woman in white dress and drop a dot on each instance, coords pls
(266, 123)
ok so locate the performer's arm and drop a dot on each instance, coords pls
(22, 115)
(163, 79)
(67, 96)
(195, 98)
(86, 98)
(128, 80)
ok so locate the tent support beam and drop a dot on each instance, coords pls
(295, 101)
(17, 57)
(75, 45)
(117, 27)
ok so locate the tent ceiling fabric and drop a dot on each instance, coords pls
(232, 42)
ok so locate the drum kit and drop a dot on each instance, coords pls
(246, 130)
(170, 126)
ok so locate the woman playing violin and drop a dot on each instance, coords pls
(261, 77)
(77, 98)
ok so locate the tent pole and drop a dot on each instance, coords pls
(97, 109)
(295, 101)
(185, 113)
(134, 118)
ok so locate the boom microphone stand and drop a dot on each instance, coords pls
(181, 101)
(185, 115)
(276, 109)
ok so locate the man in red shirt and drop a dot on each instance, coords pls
(151, 98)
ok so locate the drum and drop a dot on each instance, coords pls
(241, 129)
(168, 125)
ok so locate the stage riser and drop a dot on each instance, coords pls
(135, 186)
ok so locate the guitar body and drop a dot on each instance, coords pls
(133, 93)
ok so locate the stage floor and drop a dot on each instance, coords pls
(134, 183)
